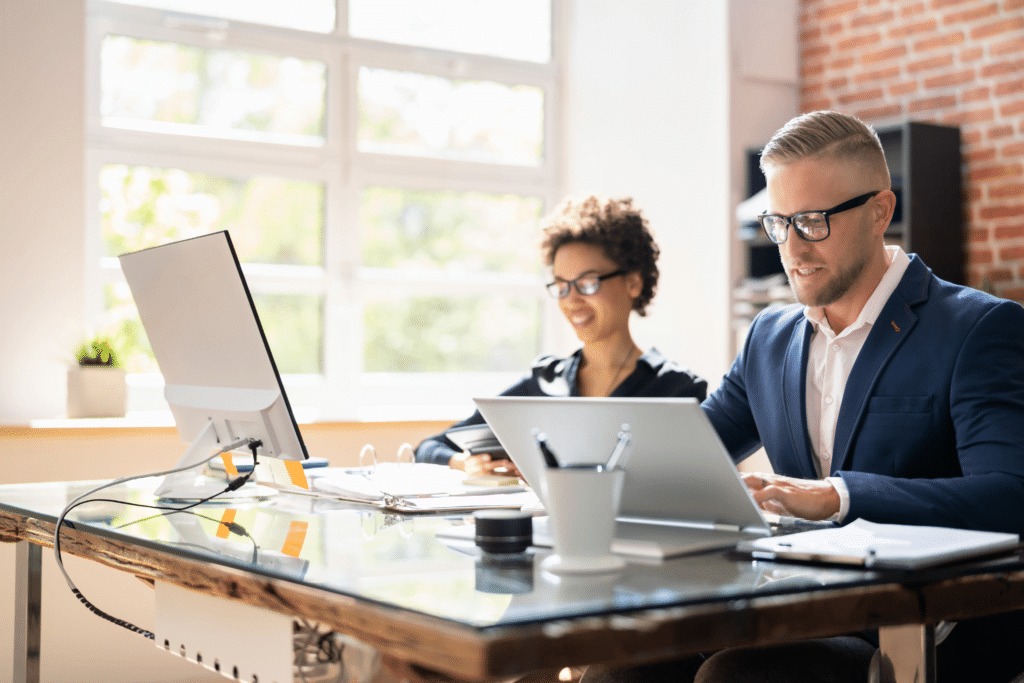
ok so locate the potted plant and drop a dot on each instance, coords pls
(96, 382)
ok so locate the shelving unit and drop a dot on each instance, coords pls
(924, 162)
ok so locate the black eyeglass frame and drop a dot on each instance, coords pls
(859, 200)
(569, 284)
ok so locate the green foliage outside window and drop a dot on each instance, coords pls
(448, 334)
(226, 92)
(407, 113)
(469, 231)
(294, 326)
(271, 220)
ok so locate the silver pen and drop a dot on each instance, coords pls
(620, 448)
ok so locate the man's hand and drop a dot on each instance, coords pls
(804, 498)
(483, 463)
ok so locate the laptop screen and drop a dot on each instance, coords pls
(677, 471)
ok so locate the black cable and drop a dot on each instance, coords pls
(234, 485)
(234, 527)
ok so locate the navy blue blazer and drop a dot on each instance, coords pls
(931, 427)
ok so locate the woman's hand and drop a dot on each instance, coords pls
(483, 463)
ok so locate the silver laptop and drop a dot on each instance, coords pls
(682, 492)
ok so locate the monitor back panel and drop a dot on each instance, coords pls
(206, 335)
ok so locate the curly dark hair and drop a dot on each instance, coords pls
(614, 226)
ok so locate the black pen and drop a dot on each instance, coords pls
(549, 457)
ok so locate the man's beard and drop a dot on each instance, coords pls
(835, 288)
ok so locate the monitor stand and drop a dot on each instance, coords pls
(191, 485)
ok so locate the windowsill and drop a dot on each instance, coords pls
(135, 420)
(145, 419)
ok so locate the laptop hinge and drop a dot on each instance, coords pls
(709, 526)
(687, 524)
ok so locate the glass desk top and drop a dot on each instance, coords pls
(397, 560)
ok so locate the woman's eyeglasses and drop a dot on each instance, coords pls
(586, 284)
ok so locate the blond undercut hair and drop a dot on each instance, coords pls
(828, 134)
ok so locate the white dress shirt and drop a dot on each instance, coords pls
(829, 364)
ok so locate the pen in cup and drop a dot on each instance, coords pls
(552, 462)
(621, 450)
(542, 443)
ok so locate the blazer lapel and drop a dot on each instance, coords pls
(794, 398)
(893, 325)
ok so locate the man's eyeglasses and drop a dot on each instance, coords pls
(586, 284)
(812, 226)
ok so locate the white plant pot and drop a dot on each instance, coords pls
(96, 391)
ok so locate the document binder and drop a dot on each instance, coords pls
(407, 486)
(416, 487)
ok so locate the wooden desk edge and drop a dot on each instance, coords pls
(466, 653)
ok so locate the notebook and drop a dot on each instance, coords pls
(682, 492)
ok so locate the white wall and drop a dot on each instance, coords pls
(647, 116)
(42, 146)
(764, 88)
(764, 94)
(662, 99)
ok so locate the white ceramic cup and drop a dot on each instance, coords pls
(582, 504)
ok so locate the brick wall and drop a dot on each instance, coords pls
(958, 62)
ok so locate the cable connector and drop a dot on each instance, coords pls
(237, 443)
(235, 528)
(237, 482)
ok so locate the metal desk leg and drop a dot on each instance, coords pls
(27, 603)
(907, 654)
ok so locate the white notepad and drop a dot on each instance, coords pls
(894, 546)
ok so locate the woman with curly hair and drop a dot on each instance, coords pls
(603, 262)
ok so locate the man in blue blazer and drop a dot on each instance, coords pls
(885, 394)
(929, 429)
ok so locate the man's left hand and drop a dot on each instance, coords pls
(787, 496)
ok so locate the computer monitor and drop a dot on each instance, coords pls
(220, 378)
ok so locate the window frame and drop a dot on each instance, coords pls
(343, 391)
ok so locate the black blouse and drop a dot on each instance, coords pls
(654, 376)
